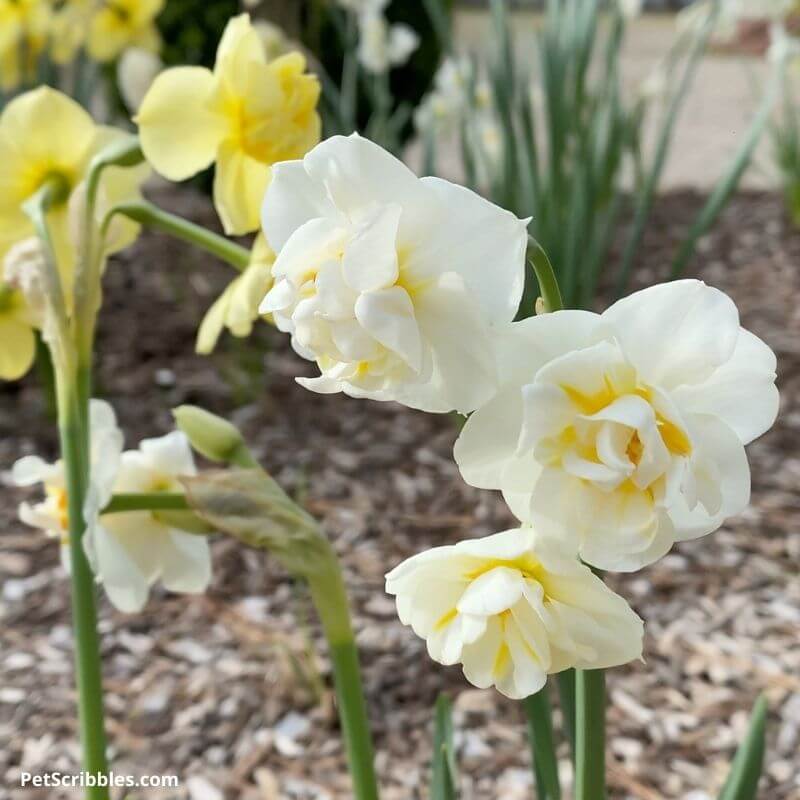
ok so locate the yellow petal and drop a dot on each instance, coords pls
(179, 135)
(17, 348)
(50, 133)
(214, 321)
(239, 186)
(240, 42)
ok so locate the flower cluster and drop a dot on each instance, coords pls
(128, 552)
(30, 29)
(610, 435)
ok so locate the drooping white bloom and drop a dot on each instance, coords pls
(627, 428)
(131, 550)
(383, 45)
(513, 608)
(394, 285)
(51, 515)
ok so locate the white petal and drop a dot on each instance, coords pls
(185, 562)
(719, 455)
(492, 592)
(741, 392)
(525, 346)
(280, 297)
(170, 454)
(485, 244)
(370, 256)
(357, 173)
(464, 369)
(388, 315)
(125, 585)
(486, 449)
(675, 333)
(292, 199)
(30, 470)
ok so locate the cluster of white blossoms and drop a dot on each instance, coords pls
(382, 45)
(128, 552)
(610, 435)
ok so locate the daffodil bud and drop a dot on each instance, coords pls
(212, 436)
(250, 506)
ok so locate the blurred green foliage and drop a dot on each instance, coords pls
(192, 28)
(321, 33)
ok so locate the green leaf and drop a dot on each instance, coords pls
(566, 694)
(443, 763)
(742, 782)
(543, 748)
(590, 735)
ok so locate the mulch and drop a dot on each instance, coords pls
(231, 690)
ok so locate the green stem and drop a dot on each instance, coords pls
(590, 744)
(330, 599)
(543, 748)
(84, 615)
(153, 217)
(156, 501)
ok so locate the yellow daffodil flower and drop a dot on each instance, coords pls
(69, 28)
(16, 334)
(23, 34)
(45, 134)
(237, 307)
(245, 115)
(123, 23)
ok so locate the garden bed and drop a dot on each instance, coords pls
(222, 690)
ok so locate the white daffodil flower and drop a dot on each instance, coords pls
(131, 550)
(393, 285)
(513, 608)
(382, 45)
(626, 428)
(52, 514)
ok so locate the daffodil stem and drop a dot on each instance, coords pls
(330, 599)
(74, 440)
(156, 501)
(543, 748)
(590, 739)
(154, 217)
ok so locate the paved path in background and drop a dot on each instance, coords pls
(716, 114)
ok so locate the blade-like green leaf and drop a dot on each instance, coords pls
(566, 694)
(730, 180)
(742, 783)
(443, 763)
(543, 748)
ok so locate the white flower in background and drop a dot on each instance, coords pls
(274, 39)
(458, 91)
(630, 9)
(382, 45)
(131, 550)
(392, 284)
(136, 71)
(51, 515)
(626, 429)
(512, 609)
(23, 268)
